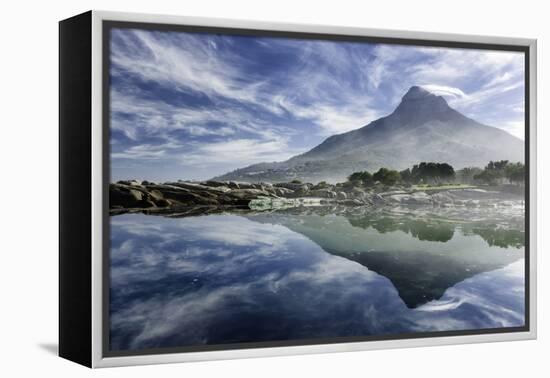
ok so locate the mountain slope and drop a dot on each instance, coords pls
(422, 128)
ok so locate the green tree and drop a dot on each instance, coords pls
(466, 175)
(515, 172)
(432, 172)
(406, 175)
(387, 176)
(364, 176)
(488, 176)
(497, 165)
(496, 171)
(321, 185)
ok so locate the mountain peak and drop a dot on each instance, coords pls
(417, 93)
(419, 103)
(423, 127)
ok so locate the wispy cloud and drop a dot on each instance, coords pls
(240, 151)
(146, 151)
(446, 91)
(226, 101)
(181, 60)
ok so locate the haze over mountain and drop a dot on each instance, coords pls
(423, 127)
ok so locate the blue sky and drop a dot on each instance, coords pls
(196, 105)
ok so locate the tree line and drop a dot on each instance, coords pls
(495, 172)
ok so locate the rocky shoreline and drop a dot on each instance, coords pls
(148, 197)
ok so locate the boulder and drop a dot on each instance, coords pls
(282, 192)
(147, 204)
(233, 185)
(214, 184)
(124, 196)
(163, 203)
(136, 194)
(190, 186)
(130, 182)
(155, 195)
(357, 193)
(262, 186)
(377, 199)
(247, 185)
(187, 197)
(249, 193)
(322, 193)
(293, 186)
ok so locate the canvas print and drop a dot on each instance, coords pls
(271, 190)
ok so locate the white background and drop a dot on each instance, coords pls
(28, 269)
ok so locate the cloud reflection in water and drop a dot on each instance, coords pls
(227, 279)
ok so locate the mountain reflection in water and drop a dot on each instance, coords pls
(305, 274)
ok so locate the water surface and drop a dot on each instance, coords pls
(306, 274)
